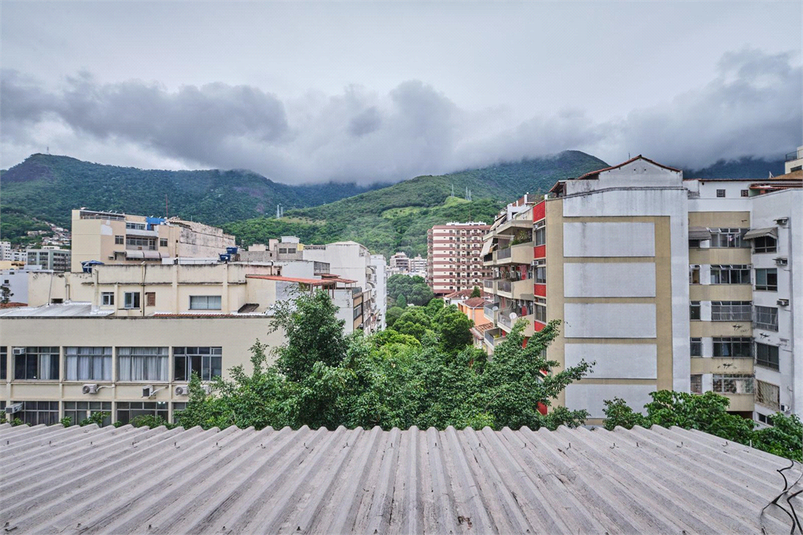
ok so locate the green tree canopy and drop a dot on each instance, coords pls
(390, 380)
(414, 289)
(476, 292)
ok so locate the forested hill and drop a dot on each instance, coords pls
(741, 168)
(49, 187)
(396, 218)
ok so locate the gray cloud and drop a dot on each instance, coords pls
(751, 108)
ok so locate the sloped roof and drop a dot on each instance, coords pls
(475, 302)
(124, 480)
(595, 174)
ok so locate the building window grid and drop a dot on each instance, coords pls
(737, 274)
(107, 298)
(695, 310)
(127, 411)
(38, 412)
(205, 302)
(768, 356)
(88, 363)
(696, 384)
(766, 318)
(696, 347)
(767, 279)
(765, 244)
(733, 384)
(143, 364)
(769, 395)
(733, 347)
(731, 310)
(37, 364)
(131, 300)
(205, 361)
(728, 237)
(3, 363)
(78, 411)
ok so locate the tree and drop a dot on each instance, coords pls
(476, 292)
(313, 332)
(454, 331)
(708, 413)
(5, 294)
(414, 322)
(392, 314)
(401, 301)
(414, 289)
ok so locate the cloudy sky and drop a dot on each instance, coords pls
(308, 92)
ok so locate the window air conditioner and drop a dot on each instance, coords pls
(784, 408)
(16, 407)
(89, 389)
(182, 390)
(147, 391)
(19, 350)
(781, 261)
(782, 302)
(782, 221)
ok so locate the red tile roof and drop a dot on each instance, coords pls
(475, 302)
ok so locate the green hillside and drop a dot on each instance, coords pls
(397, 217)
(48, 187)
(742, 168)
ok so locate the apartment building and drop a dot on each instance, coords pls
(399, 263)
(117, 238)
(633, 260)
(454, 261)
(124, 339)
(353, 261)
(50, 257)
(508, 253)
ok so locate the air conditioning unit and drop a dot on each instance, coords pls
(782, 221)
(781, 261)
(207, 389)
(89, 389)
(782, 302)
(16, 407)
(784, 408)
(182, 390)
(19, 350)
(147, 391)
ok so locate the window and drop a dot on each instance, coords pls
(768, 395)
(694, 310)
(38, 412)
(767, 318)
(78, 411)
(696, 347)
(3, 363)
(162, 242)
(131, 299)
(107, 298)
(733, 347)
(150, 299)
(730, 310)
(728, 237)
(539, 233)
(204, 302)
(767, 356)
(694, 274)
(540, 272)
(739, 274)
(143, 364)
(36, 363)
(204, 361)
(141, 243)
(765, 244)
(88, 363)
(720, 193)
(127, 411)
(764, 418)
(540, 309)
(733, 384)
(119, 240)
(745, 193)
(135, 226)
(767, 279)
(177, 408)
(696, 384)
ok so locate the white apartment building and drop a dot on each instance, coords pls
(454, 261)
(50, 257)
(352, 261)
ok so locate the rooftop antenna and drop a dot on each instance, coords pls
(770, 175)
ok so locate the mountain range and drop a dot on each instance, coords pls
(386, 218)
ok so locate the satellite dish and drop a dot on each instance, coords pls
(513, 316)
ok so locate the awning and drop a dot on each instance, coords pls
(134, 255)
(152, 255)
(699, 233)
(144, 255)
(760, 233)
(486, 247)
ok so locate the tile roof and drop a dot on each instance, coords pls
(475, 302)
(595, 174)
(126, 480)
(483, 327)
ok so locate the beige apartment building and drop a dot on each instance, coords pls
(664, 283)
(116, 238)
(124, 339)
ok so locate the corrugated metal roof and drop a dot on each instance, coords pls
(125, 480)
(67, 310)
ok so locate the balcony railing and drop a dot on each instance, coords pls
(489, 311)
(503, 286)
(492, 338)
(488, 283)
(504, 253)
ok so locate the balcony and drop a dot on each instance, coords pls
(516, 254)
(504, 321)
(493, 337)
(522, 289)
(488, 284)
(490, 310)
